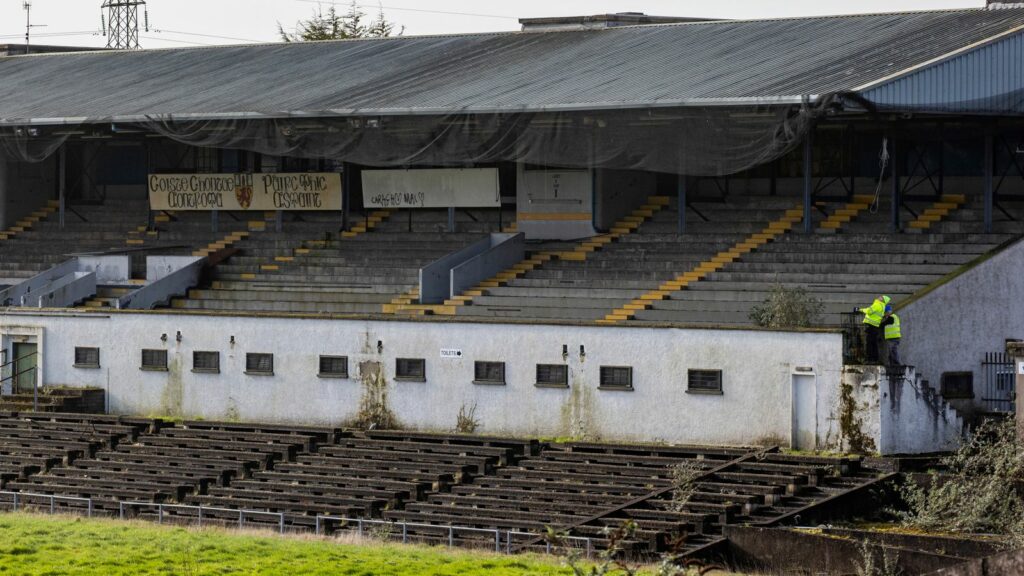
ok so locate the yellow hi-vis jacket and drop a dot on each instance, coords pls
(892, 331)
(873, 314)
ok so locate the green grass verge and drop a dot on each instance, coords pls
(52, 546)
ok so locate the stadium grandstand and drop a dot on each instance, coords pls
(562, 230)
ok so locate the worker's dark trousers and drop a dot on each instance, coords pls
(871, 344)
(894, 352)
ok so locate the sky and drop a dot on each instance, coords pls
(178, 23)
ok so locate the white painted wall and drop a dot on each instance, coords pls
(757, 374)
(951, 329)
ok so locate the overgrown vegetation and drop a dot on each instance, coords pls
(981, 493)
(334, 26)
(374, 412)
(684, 476)
(466, 422)
(787, 308)
(871, 565)
(615, 560)
(51, 545)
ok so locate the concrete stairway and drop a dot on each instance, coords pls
(589, 280)
(312, 269)
(860, 259)
(42, 244)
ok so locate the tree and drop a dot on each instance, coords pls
(334, 26)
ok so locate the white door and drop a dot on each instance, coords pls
(805, 412)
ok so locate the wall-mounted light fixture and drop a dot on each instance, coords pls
(163, 337)
(232, 340)
(565, 352)
(177, 337)
(583, 353)
(380, 346)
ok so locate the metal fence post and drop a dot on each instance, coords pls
(451, 536)
(590, 548)
(547, 547)
(360, 525)
(89, 513)
(52, 500)
(241, 519)
(15, 501)
(120, 510)
(497, 541)
(405, 533)
(318, 525)
(281, 522)
(508, 542)
(200, 516)
(160, 514)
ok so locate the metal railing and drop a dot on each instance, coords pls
(52, 498)
(998, 381)
(13, 377)
(449, 531)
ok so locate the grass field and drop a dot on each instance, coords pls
(56, 546)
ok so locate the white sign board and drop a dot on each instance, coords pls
(432, 188)
(1020, 368)
(263, 191)
(451, 353)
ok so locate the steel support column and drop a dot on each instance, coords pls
(451, 220)
(808, 178)
(346, 187)
(682, 203)
(62, 172)
(897, 200)
(988, 176)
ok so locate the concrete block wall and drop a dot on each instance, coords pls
(758, 369)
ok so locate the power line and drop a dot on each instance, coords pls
(165, 39)
(210, 36)
(365, 6)
(53, 34)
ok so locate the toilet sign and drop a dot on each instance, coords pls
(1020, 368)
(451, 353)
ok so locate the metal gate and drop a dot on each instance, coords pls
(998, 382)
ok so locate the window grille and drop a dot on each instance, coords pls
(258, 363)
(704, 381)
(489, 372)
(87, 357)
(553, 375)
(334, 366)
(154, 359)
(617, 377)
(206, 362)
(411, 369)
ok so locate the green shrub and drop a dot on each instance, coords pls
(787, 308)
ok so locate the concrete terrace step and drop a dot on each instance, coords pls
(279, 306)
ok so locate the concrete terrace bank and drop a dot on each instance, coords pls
(759, 372)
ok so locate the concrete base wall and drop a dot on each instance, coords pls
(757, 374)
(951, 329)
(894, 414)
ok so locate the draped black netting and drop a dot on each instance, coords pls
(28, 144)
(703, 141)
(698, 141)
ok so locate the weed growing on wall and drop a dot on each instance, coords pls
(374, 412)
(787, 308)
(466, 422)
(980, 494)
(870, 565)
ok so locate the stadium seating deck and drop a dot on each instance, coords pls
(294, 476)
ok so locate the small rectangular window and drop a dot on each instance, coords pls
(206, 362)
(489, 373)
(411, 369)
(154, 360)
(958, 385)
(552, 376)
(704, 381)
(259, 364)
(87, 357)
(616, 378)
(333, 367)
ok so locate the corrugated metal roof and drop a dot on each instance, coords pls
(987, 79)
(629, 67)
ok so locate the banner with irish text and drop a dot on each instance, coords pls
(262, 191)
